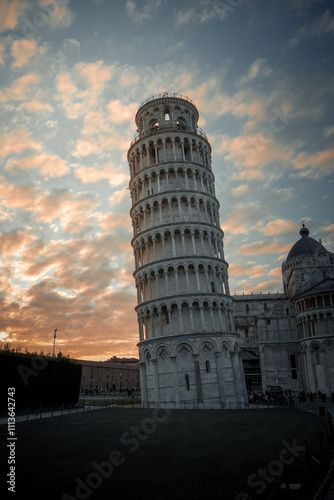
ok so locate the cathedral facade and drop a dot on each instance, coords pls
(287, 339)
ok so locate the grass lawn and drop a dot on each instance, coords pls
(189, 454)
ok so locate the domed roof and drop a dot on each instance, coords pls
(305, 247)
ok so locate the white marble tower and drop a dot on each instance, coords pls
(189, 349)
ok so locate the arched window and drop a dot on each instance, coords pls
(166, 114)
(187, 382)
(207, 366)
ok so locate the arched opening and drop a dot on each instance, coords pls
(293, 366)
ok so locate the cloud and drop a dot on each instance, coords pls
(204, 13)
(97, 145)
(278, 227)
(22, 51)
(67, 94)
(48, 165)
(74, 212)
(241, 268)
(98, 135)
(35, 106)
(12, 243)
(240, 190)
(257, 69)
(244, 216)
(70, 44)
(120, 112)
(119, 196)
(10, 11)
(58, 14)
(302, 6)
(323, 26)
(16, 142)
(262, 247)
(146, 12)
(20, 88)
(2, 48)
(99, 172)
(76, 100)
(250, 153)
(329, 131)
(276, 273)
(97, 75)
(314, 166)
(320, 27)
(17, 197)
(82, 286)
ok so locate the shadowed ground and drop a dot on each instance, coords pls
(188, 454)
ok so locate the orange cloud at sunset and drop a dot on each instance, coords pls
(16, 142)
(262, 247)
(316, 165)
(73, 74)
(10, 12)
(48, 165)
(22, 51)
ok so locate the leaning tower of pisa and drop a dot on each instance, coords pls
(189, 352)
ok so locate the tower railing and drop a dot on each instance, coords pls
(168, 127)
(166, 94)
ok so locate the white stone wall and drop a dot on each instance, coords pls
(180, 269)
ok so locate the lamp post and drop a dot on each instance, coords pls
(54, 342)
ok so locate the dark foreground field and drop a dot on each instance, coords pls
(149, 454)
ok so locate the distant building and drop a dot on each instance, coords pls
(287, 339)
(108, 375)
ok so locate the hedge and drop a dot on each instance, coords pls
(38, 379)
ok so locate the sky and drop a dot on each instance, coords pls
(72, 76)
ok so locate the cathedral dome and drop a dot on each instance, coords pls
(305, 247)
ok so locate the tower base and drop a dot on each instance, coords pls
(192, 371)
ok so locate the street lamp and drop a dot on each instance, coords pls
(54, 342)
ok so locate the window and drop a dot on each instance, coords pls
(213, 286)
(324, 275)
(287, 311)
(302, 276)
(91, 373)
(266, 307)
(187, 383)
(167, 115)
(207, 366)
(268, 321)
(247, 308)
